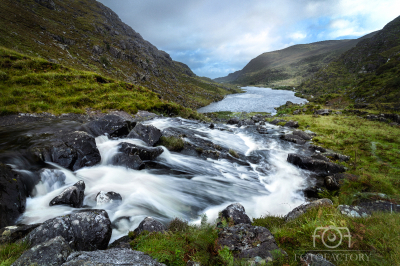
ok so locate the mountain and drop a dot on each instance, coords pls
(367, 73)
(86, 35)
(291, 65)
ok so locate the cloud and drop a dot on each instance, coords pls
(218, 37)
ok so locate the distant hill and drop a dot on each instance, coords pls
(291, 65)
(367, 73)
(86, 35)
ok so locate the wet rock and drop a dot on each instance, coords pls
(315, 260)
(128, 161)
(300, 210)
(149, 224)
(52, 252)
(144, 153)
(83, 230)
(315, 148)
(52, 178)
(246, 122)
(293, 138)
(233, 121)
(11, 234)
(109, 197)
(379, 206)
(354, 211)
(72, 196)
(337, 157)
(292, 124)
(257, 118)
(236, 213)
(247, 241)
(302, 134)
(148, 134)
(142, 116)
(262, 130)
(319, 156)
(211, 126)
(323, 112)
(318, 166)
(122, 242)
(110, 257)
(12, 196)
(111, 125)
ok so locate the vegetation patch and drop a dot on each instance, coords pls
(10, 252)
(233, 153)
(172, 143)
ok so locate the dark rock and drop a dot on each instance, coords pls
(315, 148)
(379, 206)
(302, 134)
(111, 257)
(122, 242)
(12, 196)
(233, 121)
(211, 126)
(314, 260)
(53, 252)
(246, 122)
(247, 241)
(128, 161)
(337, 156)
(83, 230)
(354, 211)
(300, 210)
(293, 138)
(319, 156)
(296, 112)
(111, 125)
(149, 224)
(318, 166)
(276, 121)
(72, 196)
(323, 112)
(148, 134)
(142, 116)
(11, 234)
(109, 197)
(262, 130)
(292, 124)
(236, 213)
(144, 153)
(257, 118)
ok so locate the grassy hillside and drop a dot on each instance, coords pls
(88, 36)
(368, 73)
(291, 65)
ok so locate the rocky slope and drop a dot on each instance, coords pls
(290, 65)
(86, 35)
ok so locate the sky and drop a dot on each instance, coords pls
(217, 37)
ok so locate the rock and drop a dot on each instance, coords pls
(233, 121)
(304, 109)
(257, 118)
(148, 134)
(336, 156)
(211, 126)
(144, 153)
(296, 112)
(236, 213)
(315, 148)
(109, 197)
(379, 206)
(111, 125)
(193, 263)
(142, 116)
(47, 3)
(247, 241)
(149, 224)
(83, 230)
(72, 150)
(302, 134)
(354, 211)
(52, 178)
(338, 113)
(72, 196)
(293, 138)
(246, 122)
(314, 260)
(300, 210)
(276, 121)
(318, 166)
(110, 257)
(323, 112)
(128, 161)
(122, 242)
(53, 252)
(319, 156)
(292, 124)
(12, 196)
(262, 130)
(11, 234)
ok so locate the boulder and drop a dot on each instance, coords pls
(302, 134)
(72, 196)
(246, 122)
(144, 153)
(318, 166)
(142, 116)
(149, 224)
(293, 138)
(337, 157)
(109, 197)
(52, 252)
(128, 161)
(296, 112)
(247, 241)
(212, 126)
(300, 210)
(354, 211)
(379, 206)
(233, 121)
(315, 148)
(148, 134)
(323, 112)
(319, 156)
(262, 130)
(276, 121)
(111, 125)
(314, 260)
(122, 242)
(236, 213)
(83, 230)
(292, 124)
(12, 196)
(11, 234)
(115, 256)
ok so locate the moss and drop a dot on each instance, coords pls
(233, 153)
(10, 252)
(172, 143)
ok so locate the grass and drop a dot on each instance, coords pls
(233, 153)
(10, 252)
(172, 143)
